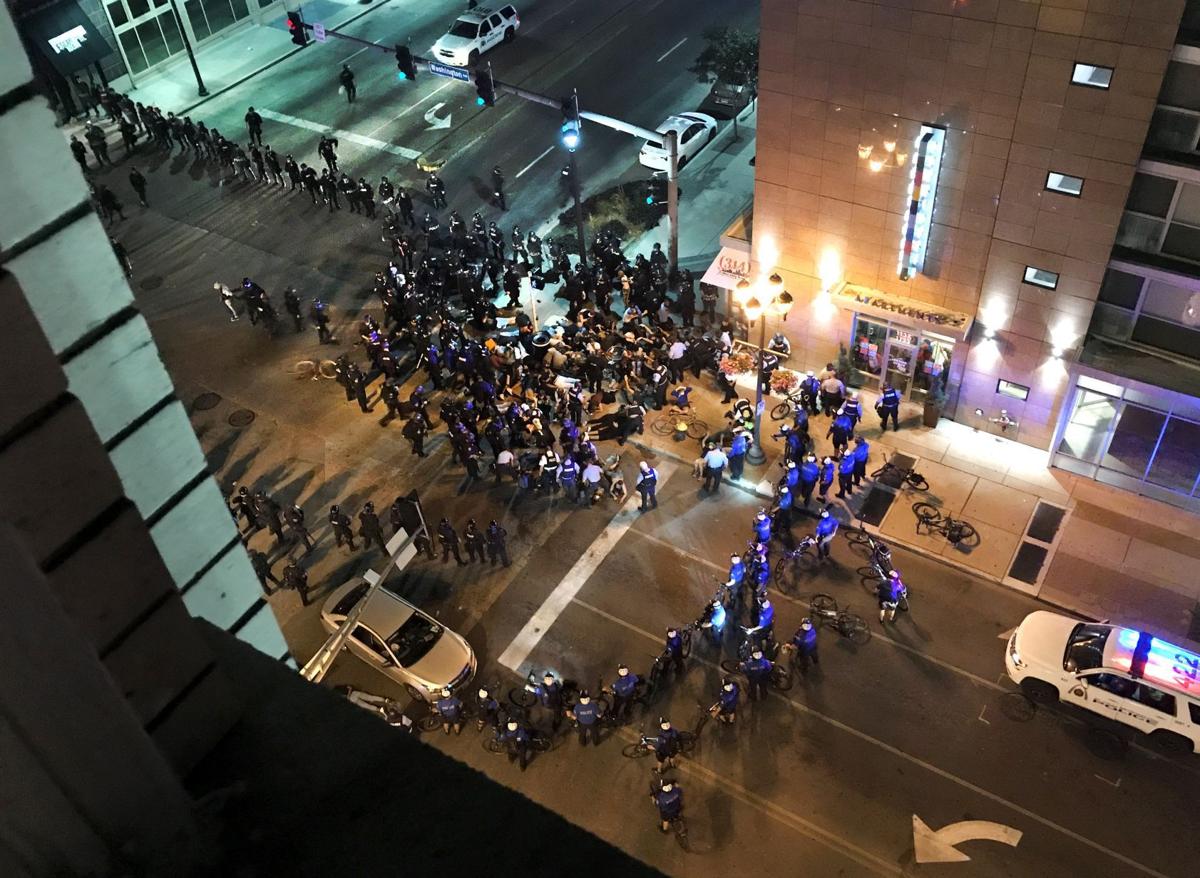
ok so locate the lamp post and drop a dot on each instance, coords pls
(773, 298)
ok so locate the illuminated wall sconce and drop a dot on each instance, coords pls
(864, 152)
(979, 413)
(989, 333)
(1056, 352)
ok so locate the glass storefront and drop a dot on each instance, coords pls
(149, 32)
(1132, 445)
(911, 361)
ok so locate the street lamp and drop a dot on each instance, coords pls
(774, 299)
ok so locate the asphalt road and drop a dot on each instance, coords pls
(824, 780)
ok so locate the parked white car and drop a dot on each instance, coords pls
(474, 33)
(397, 639)
(694, 131)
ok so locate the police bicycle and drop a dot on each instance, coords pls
(678, 823)
(825, 612)
(933, 520)
(781, 677)
(497, 742)
(645, 744)
(802, 559)
(895, 475)
(792, 403)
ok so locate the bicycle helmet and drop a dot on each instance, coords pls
(672, 631)
(483, 693)
(824, 513)
(445, 691)
(548, 678)
(584, 698)
(735, 558)
(806, 623)
(512, 725)
(791, 464)
(666, 785)
(895, 574)
(727, 684)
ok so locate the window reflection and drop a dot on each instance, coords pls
(1133, 441)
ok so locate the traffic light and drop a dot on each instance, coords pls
(656, 188)
(296, 26)
(572, 130)
(485, 88)
(404, 62)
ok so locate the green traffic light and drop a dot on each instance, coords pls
(649, 199)
(400, 74)
(479, 101)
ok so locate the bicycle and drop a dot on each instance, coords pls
(803, 558)
(314, 369)
(901, 475)
(825, 612)
(935, 521)
(668, 424)
(538, 742)
(786, 409)
(646, 743)
(781, 677)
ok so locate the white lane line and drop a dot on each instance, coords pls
(349, 136)
(670, 50)
(409, 109)
(915, 760)
(355, 55)
(518, 651)
(534, 162)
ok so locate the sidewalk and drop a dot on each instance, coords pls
(1091, 549)
(235, 56)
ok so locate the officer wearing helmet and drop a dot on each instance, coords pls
(487, 709)
(450, 709)
(757, 669)
(674, 650)
(586, 714)
(725, 709)
(668, 798)
(805, 642)
(826, 529)
(623, 690)
(890, 592)
(666, 745)
(340, 522)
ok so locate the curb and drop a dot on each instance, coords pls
(272, 63)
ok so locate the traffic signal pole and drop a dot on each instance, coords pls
(672, 138)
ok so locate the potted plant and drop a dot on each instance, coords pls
(734, 364)
(935, 401)
(784, 381)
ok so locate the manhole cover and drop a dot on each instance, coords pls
(206, 401)
(241, 418)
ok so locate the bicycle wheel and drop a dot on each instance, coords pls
(305, 369)
(663, 426)
(781, 678)
(918, 481)
(785, 578)
(857, 537)
(681, 833)
(687, 742)
(854, 627)
(492, 745)
(540, 743)
(926, 513)
(823, 604)
(429, 722)
(521, 697)
(731, 666)
(635, 751)
(686, 636)
(781, 411)
(697, 430)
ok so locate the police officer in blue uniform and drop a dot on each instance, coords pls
(517, 742)
(791, 475)
(810, 472)
(623, 689)
(487, 709)
(852, 410)
(840, 432)
(888, 406)
(725, 710)
(450, 709)
(666, 745)
(647, 486)
(568, 476)
(550, 697)
(668, 798)
(826, 529)
(762, 526)
(860, 452)
(827, 470)
(586, 714)
(783, 511)
(805, 641)
(845, 474)
(674, 650)
(757, 669)
(810, 393)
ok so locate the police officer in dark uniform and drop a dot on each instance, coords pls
(805, 641)
(254, 126)
(368, 527)
(405, 204)
(268, 513)
(497, 548)
(414, 431)
(475, 542)
(587, 715)
(262, 569)
(448, 537)
(295, 522)
(366, 197)
(623, 690)
(390, 394)
(319, 316)
(138, 182)
(295, 577)
(498, 188)
(346, 78)
(358, 385)
(340, 522)
(757, 669)
(550, 696)
(888, 406)
(674, 650)
(291, 304)
(436, 189)
(79, 151)
(450, 709)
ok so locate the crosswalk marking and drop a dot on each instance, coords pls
(348, 136)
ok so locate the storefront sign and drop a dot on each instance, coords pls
(66, 37)
(922, 190)
(920, 317)
(728, 268)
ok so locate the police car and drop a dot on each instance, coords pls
(1126, 675)
(473, 33)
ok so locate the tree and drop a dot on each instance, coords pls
(731, 56)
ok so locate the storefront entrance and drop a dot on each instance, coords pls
(911, 361)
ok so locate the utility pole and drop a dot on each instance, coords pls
(187, 44)
(571, 138)
(672, 144)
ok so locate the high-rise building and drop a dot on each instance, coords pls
(999, 199)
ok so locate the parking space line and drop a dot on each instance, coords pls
(517, 652)
(918, 761)
(670, 50)
(340, 134)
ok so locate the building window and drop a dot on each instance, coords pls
(1173, 130)
(1181, 86)
(1039, 277)
(1012, 390)
(1064, 183)
(1121, 288)
(1151, 195)
(1092, 76)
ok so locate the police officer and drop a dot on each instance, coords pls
(450, 709)
(498, 188)
(404, 203)
(254, 126)
(475, 541)
(826, 529)
(295, 578)
(623, 690)
(496, 536)
(496, 238)
(668, 798)
(587, 714)
(340, 522)
(368, 527)
(448, 537)
(262, 569)
(517, 741)
(762, 526)
(346, 78)
(414, 431)
(757, 669)
(805, 642)
(319, 315)
(840, 431)
(436, 189)
(295, 522)
(827, 470)
(738, 446)
(550, 697)
(274, 171)
(783, 510)
(674, 650)
(810, 393)
(791, 476)
(79, 152)
(860, 453)
(810, 472)
(666, 745)
(852, 410)
(366, 197)
(359, 383)
(725, 708)
(708, 299)
(890, 591)
(291, 304)
(568, 477)
(267, 512)
(888, 406)
(647, 485)
(138, 182)
(390, 394)
(487, 709)
(845, 472)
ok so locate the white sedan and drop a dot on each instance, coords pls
(694, 130)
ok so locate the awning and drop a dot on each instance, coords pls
(899, 309)
(728, 268)
(66, 37)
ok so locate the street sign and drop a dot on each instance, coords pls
(449, 72)
(318, 32)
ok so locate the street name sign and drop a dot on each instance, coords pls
(449, 72)
(318, 32)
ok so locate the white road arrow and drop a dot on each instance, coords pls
(431, 117)
(939, 847)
